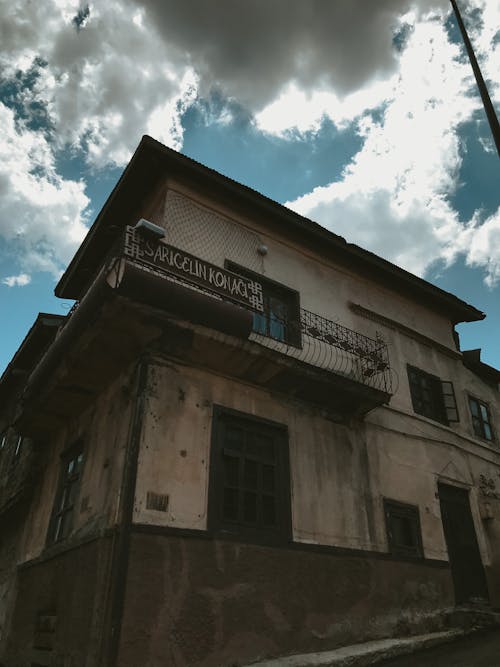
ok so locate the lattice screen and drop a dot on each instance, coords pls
(209, 235)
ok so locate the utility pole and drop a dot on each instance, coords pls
(488, 106)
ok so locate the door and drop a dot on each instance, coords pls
(465, 560)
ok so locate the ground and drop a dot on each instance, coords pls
(481, 650)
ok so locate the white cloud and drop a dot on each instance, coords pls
(17, 281)
(393, 197)
(134, 66)
(484, 35)
(103, 85)
(42, 217)
(298, 109)
(480, 244)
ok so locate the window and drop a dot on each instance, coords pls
(18, 448)
(432, 397)
(403, 529)
(62, 517)
(481, 421)
(249, 479)
(281, 316)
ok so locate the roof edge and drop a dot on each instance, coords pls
(167, 159)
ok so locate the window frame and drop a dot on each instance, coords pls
(68, 482)
(396, 509)
(273, 289)
(444, 402)
(246, 531)
(480, 403)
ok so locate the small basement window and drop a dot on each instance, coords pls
(403, 529)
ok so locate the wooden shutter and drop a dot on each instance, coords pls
(450, 402)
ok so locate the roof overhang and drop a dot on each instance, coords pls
(41, 334)
(152, 163)
(472, 361)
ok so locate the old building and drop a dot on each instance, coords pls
(248, 438)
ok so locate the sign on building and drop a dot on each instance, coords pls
(171, 260)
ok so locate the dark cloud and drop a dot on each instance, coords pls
(81, 18)
(253, 48)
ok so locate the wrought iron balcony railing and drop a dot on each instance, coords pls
(333, 347)
(298, 333)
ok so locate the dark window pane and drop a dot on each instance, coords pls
(64, 498)
(231, 470)
(250, 476)
(268, 479)
(250, 507)
(265, 444)
(19, 444)
(251, 482)
(64, 524)
(235, 438)
(480, 419)
(403, 529)
(402, 532)
(260, 323)
(230, 505)
(277, 318)
(254, 448)
(57, 530)
(67, 495)
(72, 494)
(476, 424)
(428, 398)
(277, 329)
(268, 510)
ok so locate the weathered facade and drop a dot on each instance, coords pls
(249, 438)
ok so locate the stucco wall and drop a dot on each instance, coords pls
(330, 475)
(11, 531)
(340, 473)
(207, 229)
(103, 429)
(59, 609)
(210, 603)
(215, 233)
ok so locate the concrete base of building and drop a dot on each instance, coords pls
(195, 599)
(60, 605)
(198, 600)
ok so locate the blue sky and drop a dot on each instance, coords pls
(362, 116)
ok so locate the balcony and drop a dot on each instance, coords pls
(302, 353)
(330, 346)
(157, 300)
